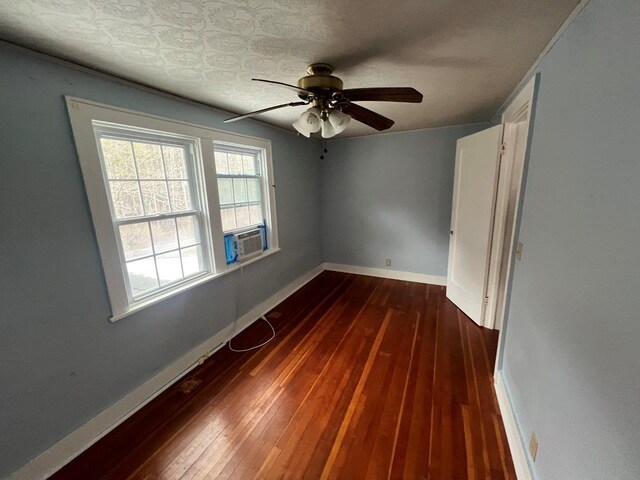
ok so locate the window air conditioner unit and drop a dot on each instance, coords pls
(248, 244)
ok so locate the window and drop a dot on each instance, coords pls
(155, 207)
(163, 194)
(240, 179)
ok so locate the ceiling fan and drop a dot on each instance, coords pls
(332, 106)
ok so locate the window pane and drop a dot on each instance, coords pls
(242, 216)
(235, 164)
(165, 236)
(180, 196)
(155, 197)
(126, 200)
(228, 219)
(239, 190)
(253, 189)
(188, 230)
(174, 162)
(148, 160)
(118, 158)
(222, 165)
(255, 214)
(225, 191)
(169, 267)
(192, 261)
(249, 164)
(142, 276)
(136, 241)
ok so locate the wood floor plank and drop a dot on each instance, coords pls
(367, 378)
(326, 401)
(356, 397)
(404, 397)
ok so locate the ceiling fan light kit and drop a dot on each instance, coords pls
(309, 122)
(339, 120)
(327, 130)
(332, 106)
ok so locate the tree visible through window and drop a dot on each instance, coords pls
(154, 209)
(240, 178)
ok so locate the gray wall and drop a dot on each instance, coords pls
(61, 361)
(572, 360)
(571, 352)
(389, 196)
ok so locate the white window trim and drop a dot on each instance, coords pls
(265, 185)
(192, 147)
(268, 182)
(82, 113)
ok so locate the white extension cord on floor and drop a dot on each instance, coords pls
(257, 346)
(235, 322)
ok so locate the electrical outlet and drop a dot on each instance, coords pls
(533, 446)
(519, 251)
(388, 262)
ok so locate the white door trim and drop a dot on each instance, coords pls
(519, 110)
(515, 120)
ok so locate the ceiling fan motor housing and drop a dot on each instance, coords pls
(334, 105)
(320, 81)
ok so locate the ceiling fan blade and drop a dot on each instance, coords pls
(298, 90)
(383, 94)
(268, 109)
(368, 117)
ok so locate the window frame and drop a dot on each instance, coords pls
(82, 115)
(267, 183)
(260, 177)
(196, 190)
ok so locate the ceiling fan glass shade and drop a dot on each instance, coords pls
(327, 129)
(309, 122)
(339, 120)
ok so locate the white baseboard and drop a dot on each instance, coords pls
(79, 440)
(514, 437)
(384, 273)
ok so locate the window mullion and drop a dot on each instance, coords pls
(155, 253)
(151, 218)
(228, 175)
(166, 179)
(175, 222)
(212, 198)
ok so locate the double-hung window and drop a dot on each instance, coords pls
(240, 186)
(156, 207)
(163, 196)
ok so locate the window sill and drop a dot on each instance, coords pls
(183, 288)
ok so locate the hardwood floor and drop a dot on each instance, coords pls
(367, 378)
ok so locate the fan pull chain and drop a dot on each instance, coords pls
(323, 149)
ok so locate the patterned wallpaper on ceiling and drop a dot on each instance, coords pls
(209, 50)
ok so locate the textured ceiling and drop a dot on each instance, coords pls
(465, 56)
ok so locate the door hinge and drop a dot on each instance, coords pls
(486, 300)
(503, 148)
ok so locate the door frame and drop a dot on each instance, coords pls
(520, 110)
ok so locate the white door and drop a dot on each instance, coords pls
(474, 191)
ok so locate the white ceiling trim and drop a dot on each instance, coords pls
(536, 65)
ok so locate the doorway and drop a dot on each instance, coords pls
(516, 132)
(487, 190)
